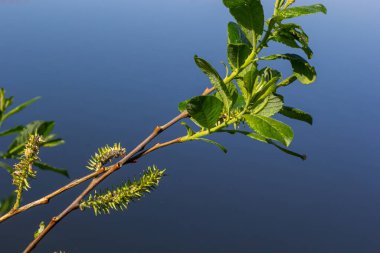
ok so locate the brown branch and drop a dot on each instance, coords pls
(127, 159)
(131, 157)
(45, 200)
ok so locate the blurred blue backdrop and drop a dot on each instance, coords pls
(109, 71)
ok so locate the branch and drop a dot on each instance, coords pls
(45, 200)
(127, 159)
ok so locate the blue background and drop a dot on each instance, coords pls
(109, 71)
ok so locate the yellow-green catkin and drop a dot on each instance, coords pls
(24, 169)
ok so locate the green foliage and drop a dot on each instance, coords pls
(17, 147)
(44, 166)
(248, 13)
(270, 106)
(24, 170)
(238, 46)
(249, 94)
(42, 128)
(119, 198)
(212, 142)
(293, 36)
(105, 155)
(7, 203)
(297, 114)
(301, 11)
(270, 128)
(260, 138)
(205, 110)
(248, 98)
(302, 70)
(216, 81)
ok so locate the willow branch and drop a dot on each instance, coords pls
(45, 200)
(129, 157)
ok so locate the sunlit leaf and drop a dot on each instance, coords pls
(301, 11)
(293, 36)
(270, 128)
(13, 130)
(205, 110)
(304, 72)
(53, 142)
(42, 128)
(238, 47)
(297, 114)
(19, 108)
(214, 143)
(248, 13)
(44, 166)
(260, 138)
(273, 105)
(215, 80)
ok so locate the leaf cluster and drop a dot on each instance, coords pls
(249, 94)
(120, 197)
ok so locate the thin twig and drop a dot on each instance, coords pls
(45, 200)
(128, 158)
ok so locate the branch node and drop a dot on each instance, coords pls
(158, 129)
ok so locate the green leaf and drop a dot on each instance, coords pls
(273, 105)
(205, 110)
(44, 166)
(239, 47)
(13, 130)
(6, 204)
(303, 71)
(287, 151)
(236, 36)
(237, 54)
(182, 105)
(263, 90)
(297, 114)
(19, 108)
(6, 166)
(53, 143)
(293, 36)
(213, 142)
(247, 83)
(240, 103)
(258, 137)
(301, 11)
(248, 13)
(2, 100)
(42, 128)
(215, 80)
(190, 131)
(234, 94)
(270, 128)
